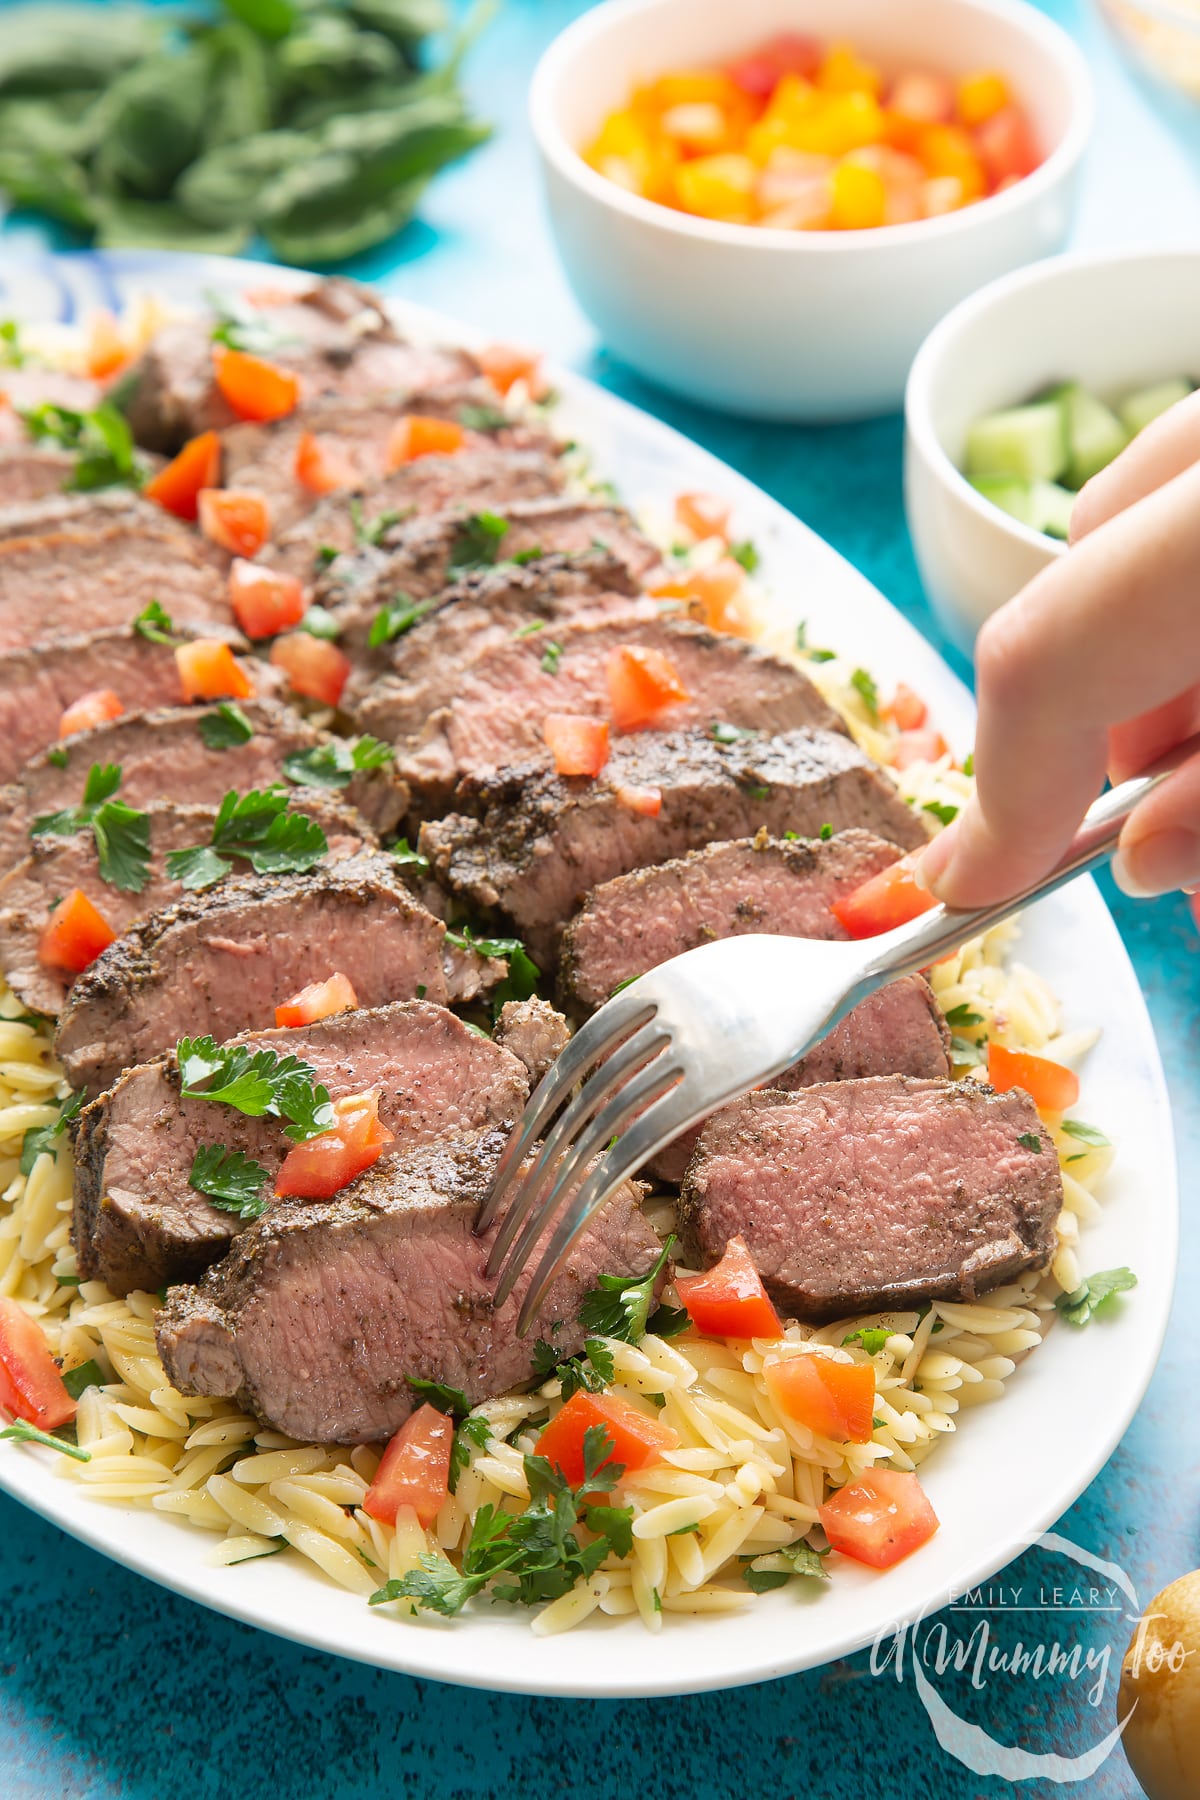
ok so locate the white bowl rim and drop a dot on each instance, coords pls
(1044, 35)
(918, 411)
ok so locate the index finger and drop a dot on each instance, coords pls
(1163, 450)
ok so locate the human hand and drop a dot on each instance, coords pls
(1093, 668)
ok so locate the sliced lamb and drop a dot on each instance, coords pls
(68, 581)
(91, 511)
(534, 1032)
(321, 1309)
(138, 1221)
(33, 385)
(30, 472)
(865, 1196)
(539, 843)
(220, 962)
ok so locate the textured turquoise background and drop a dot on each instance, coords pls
(110, 1687)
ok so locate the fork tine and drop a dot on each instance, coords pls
(647, 1086)
(645, 1044)
(588, 1045)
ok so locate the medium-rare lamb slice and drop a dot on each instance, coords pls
(138, 1221)
(534, 1032)
(166, 754)
(30, 472)
(220, 962)
(867, 1196)
(68, 581)
(95, 508)
(322, 1309)
(538, 843)
(37, 685)
(57, 863)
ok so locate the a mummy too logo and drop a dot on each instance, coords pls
(1055, 1626)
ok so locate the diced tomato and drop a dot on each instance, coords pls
(1006, 146)
(1048, 1084)
(313, 665)
(415, 1470)
(921, 745)
(506, 364)
(730, 1299)
(31, 1387)
(264, 601)
(579, 746)
(644, 800)
(89, 711)
(324, 1165)
(322, 466)
(718, 594)
(704, 515)
(879, 1519)
(906, 708)
(319, 1000)
(637, 1440)
(415, 435)
(755, 75)
(642, 684)
(834, 1399)
(922, 96)
(234, 518)
(208, 670)
(177, 487)
(888, 899)
(106, 350)
(75, 935)
(255, 388)
(787, 53)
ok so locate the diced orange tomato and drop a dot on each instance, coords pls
(255, 388)
(888, 899)
(948, 150)
(506, 364)
(920, 744)
(313, 665)
(415, 435)
(921, 98)
(1048, 1084)
(579, 746)
(234, 518)
(106, 351)
(843, 72)
(1006, 147)
(177, 487)
(980, 96)
(208, 670)
(89, 711)
(831, 1398)
(319, 1000)
(415, 1470)
(324, 1165)
(704, 515)
(879, 1519)
(31, 1387)
(644, 800)
(718, 187)
(730, 1299)
(265, 601)
(322, 466)
(642, 685)
(76, 934)
(718, 593)
(906, 708)
(637, 1440)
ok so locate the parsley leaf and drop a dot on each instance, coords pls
(482, 418)
(101, 440)
(21, 1432)
(335, 764)
(395, 617)
(11, 354)
(477, 542)
(405, 857)
(442, 1398)
(230, 1179)
(39, 1139)
(1087, 1134)
(551, 658)
(826, 832)
(122, 837)
(259, 828)
(1029, 1140)
(225, 728)
(822, 656)
(319, 622)
(619, 1305)
(60, 756)
(871, 1337)
(723, 733)
(83, 1375)
(245, 327)
(865, 687)
(1095, 1292)
(962, 1050)
(968, 767)
(940, 810)
(777, 1568)
(522, 557)
(255, 1083)
(155, 624)
(524, 631)
(589, 1373)
(373, 531)
(523, 973)
(963, 1015)
(746, 554)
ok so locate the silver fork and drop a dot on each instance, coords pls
(706, 1028)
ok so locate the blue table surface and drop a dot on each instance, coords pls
(111, 1687)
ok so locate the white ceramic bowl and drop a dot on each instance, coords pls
(782, 324)
(1116, 322)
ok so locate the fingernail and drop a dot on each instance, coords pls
(933, 861)
(1158, 863)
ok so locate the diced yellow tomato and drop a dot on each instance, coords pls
(415, 1470)
(31, 1387)
(718, 187)
(319, 1000)
(1048, 1084)
(980, 97)
(636, 1439)
(313, 666)
(89, 711)
(859, 198)
(842, 71)
(255, 388)
(834, 1399)
(238, 520)
(75, 936)
(177, 486)
(415, 435)
(208, 670)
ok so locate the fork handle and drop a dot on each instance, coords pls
(940, 931)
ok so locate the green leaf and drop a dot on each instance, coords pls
(197, 868)
(1087, 1134)
(443, 1399)
(60, 756)
(11, 354)
(395, 617)
(871, 1337)
(1029, 1140)
(762, 1573)
(83, 1375)
(825, 833)
(822, 656)
(21, 1432)
(257, 827)
(962, 1016)
(865, 687)
(230, 1179)
(122, 837)
(667, 1321)
(483, 418)
(319, 622)
(723, 733)
(271, 19)
(1093, 1293)
(225, 728)
(37, 1141)
(968, 767)
(940, 810)
(373, 531)
(962, 1050)
(255, 1083)
(523, 972)
(473, 1432)
(101, 440)
(746, 554)
(619, 1305)
(407, 858)
(434, 1584)
(551, 657)
(156, 625)
(477, 542)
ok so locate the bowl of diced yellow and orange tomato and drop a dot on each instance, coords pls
(766, 206)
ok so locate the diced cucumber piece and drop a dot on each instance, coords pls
(1015, 497)
(1094, 433)
(1026, 443)
(1140, 409)
(1051, 507)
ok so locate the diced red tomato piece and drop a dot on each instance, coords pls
(255, 388)
(834, 1399)
(324, 1165)
(921, 745)
(787, 53)
(642, 684)
(730, 1299)
(415, 1470)
(264, 601)
(323, 466)
(106, 350)
(755, 75)
(1006, 146)
(579, 746)
(644, 800)
(313, 665)
(888, 899)
(89, 711)
(506, 364)
(1048, 1084)
(879, 1519)
(177, 487)
(75, 935)
(637, 1440)
(208, 670)
(906, 708)
(236, 519)
(31, 1387)
(415, 435)
(704, 515)
(319, 1000)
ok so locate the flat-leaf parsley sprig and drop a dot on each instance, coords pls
(257, 827)
(121, 833)
(255, 1082)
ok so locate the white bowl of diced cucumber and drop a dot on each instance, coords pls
(1019, 396)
